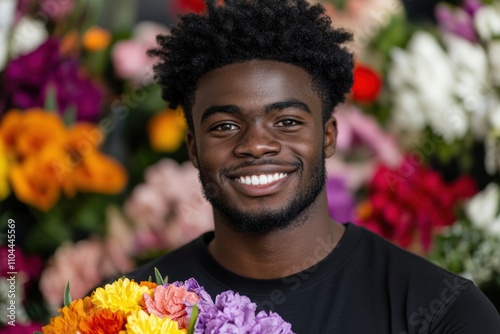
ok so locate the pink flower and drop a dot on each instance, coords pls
(361, 145)
(57, 9)
(170, 301)
(85, 264)
(163, 216)
(129, 56)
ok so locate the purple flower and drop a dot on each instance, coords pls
(471, 6)
(340, 201)
(193, 286)
(270, 324)
(456, 21)
(30, 76)
(233, 313)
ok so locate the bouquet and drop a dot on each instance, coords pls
(126, 306)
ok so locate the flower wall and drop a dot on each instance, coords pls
(92, 161)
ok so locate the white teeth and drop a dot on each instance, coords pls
(260, 179)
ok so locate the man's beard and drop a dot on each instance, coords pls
(267, 220)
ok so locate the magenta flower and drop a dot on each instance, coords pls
(29, 77)
(29, 265)
(21, 328)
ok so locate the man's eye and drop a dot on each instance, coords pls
(225, 127)
(287, 122)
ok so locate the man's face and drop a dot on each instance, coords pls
(259, 143)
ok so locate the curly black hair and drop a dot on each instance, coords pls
(290, 31)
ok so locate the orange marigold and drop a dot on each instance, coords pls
(96, 39)
(167, 130)
(103, 322)
(10, 128)
(99, 173)
(35, 180)
(38, 129)
(70, 317)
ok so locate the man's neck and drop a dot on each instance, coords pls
(279, 253)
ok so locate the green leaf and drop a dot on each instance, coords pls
(50, 102)
(36, 332)
(194, 317)
(69, 115)
(159, 279)
(67, 295)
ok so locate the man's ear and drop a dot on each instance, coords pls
(191, 147)
(330, 136)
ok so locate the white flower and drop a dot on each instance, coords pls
(447, 118)
(494, 114)
(487, 22)
(493, 52)
(28, 34)
(471, 71)
(407, 111)
(423, 82)
(7, 11)
(492, 154)
(483, 209)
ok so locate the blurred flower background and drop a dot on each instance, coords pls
(94, 171)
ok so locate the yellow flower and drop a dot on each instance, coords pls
(96, 39)
(142, 323)
(167, 130)
(4, 173)
(123, 295)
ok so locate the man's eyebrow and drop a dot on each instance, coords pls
(228, 109)
(232, 109)
(292, 103)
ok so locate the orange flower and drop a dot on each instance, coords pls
(150, 285)
(39, 128)
(96, 39)
(10, 128)
(84, 138)
(103, 321)
(70, 317)
(36, 181)
(99, 173)
(70, 43)
(167, 130)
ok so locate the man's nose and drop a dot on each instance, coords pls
(257, 141)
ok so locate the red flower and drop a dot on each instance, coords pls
(367, 84)
(189, 6)
(412, 201)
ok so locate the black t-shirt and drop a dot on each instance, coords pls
(365, 285)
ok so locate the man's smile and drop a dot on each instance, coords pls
(261, 179)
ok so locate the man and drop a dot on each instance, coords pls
(258, 80)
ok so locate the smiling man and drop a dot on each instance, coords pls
(259, 80)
